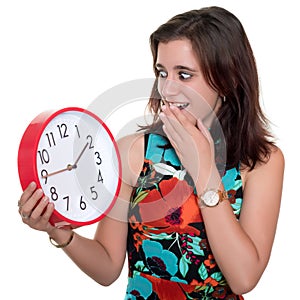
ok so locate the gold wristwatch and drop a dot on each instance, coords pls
(212, 197)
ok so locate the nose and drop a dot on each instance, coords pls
(168, 88)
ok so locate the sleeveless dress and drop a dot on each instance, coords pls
(169, 256)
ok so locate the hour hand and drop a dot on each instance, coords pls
(68, 168)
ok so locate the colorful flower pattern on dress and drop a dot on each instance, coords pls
(169, 256)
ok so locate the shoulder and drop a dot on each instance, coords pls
(276, 158)
(131, 149)
(131, 145)
(272, 168)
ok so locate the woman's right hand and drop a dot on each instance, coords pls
(35, 208)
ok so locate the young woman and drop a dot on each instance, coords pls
(201, 186)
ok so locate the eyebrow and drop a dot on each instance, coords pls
(177, 67)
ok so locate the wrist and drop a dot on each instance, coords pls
(64, 244)
(210, 181)
(60, 238)
(212, 197)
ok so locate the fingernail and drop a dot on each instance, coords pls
(32, 184)
(40, 191)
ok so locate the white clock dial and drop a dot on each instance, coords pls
(78, 166)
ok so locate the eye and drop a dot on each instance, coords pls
(162, 74)
(184, 75)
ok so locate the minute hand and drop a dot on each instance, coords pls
(79, 156)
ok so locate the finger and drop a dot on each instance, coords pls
(204, 130)
(25, 216)
(189, 127)
(48, 212)
(170, 129)
(176, 120)
(182, 117)
(172, 141)
(40, 208)
(28, 206)
(27, 193)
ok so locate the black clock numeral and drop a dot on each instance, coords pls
(44, 175)
(54, 195)
(100, 178)
(67, 198)
(51, 140)
(44, 156)
(77, 129)
(94, 193)
(90, 141)
(62, 128)
(99, 159)
(82, 204)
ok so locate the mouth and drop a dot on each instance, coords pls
(180, 105)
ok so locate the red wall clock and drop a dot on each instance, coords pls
(73, 157)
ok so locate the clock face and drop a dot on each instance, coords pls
(78, 166)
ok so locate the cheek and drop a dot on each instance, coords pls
(199, 107)
(202, 101)
(160, 85)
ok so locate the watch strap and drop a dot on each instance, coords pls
(223, 195)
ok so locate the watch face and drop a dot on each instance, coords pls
(211, 198)
(78, 166)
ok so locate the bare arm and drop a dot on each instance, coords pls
(101, 258)
(242, 249)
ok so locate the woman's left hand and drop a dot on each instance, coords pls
(193, 143)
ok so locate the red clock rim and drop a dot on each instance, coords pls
(41, 121)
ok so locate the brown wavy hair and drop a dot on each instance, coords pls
(228, 65)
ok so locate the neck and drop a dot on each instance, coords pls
(209, 118)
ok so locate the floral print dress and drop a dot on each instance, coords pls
(169, 256)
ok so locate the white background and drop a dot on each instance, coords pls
(60, 53)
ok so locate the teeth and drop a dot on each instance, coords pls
(180, 105)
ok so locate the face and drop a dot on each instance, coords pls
(181, 81)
